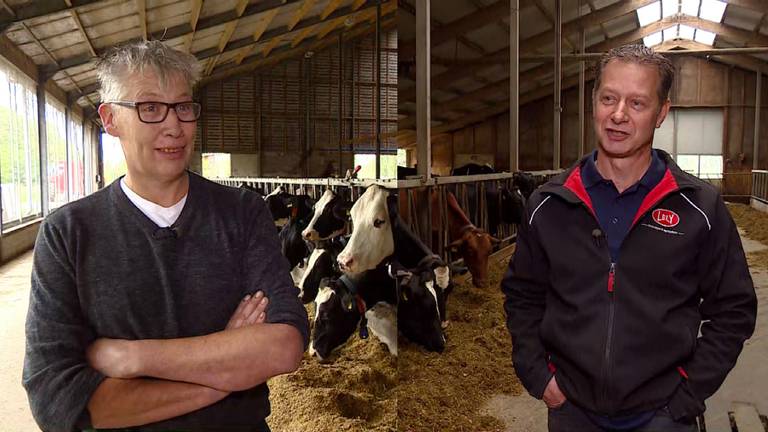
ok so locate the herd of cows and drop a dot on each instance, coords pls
(381, 277)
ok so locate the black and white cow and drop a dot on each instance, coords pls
(380, 236)
(331, 213)
(345, 304)
(321, 265)
(292, 244)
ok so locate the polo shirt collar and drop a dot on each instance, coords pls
(590, 176)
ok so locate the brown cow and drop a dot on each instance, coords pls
(474, 244)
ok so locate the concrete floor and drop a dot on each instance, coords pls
(747, 382)
(14, 298)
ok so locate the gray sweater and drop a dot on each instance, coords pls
(103, 269)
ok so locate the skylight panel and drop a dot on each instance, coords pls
(690, 7)
(653, 39)
(669, 7)
(712, 10)
(686, 32)
(705, 37)
(670, 33)
(648, 14)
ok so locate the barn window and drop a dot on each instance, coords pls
(19, 149)
(56, 135)
(217, 165)
(114, 160)
(367, 163)
(76, 158)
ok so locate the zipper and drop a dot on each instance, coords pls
(609, 337)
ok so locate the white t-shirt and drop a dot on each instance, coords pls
(162, 216)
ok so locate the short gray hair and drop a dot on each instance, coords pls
(115, 66)
(642, 55)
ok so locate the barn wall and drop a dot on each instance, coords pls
(697, 84)
(288, 115)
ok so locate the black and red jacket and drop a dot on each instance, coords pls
(623, 338)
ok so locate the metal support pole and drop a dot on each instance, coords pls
(582, 89)
(378, 90)
(758, 93)
(43, 137)
(340, 102)
(514, 87)
(558, 84)
(423, 116)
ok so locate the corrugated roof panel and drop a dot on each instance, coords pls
(53, 28)
(491, 37)
(741, 18)
(108, 15)
(532, 22)
(217, 7)
(457, 10)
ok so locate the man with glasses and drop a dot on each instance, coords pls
(148, 306)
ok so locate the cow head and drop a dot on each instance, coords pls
(276, 203)
(371, 239)
(321, 265)
(333, 323)
(475, 245)
(524, 182)
(421, 305)
(329, 219)
(512, 206)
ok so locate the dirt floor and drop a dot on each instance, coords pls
(755, 225)
(366, 389)
(355, 392)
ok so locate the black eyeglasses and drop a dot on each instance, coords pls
(156, 112)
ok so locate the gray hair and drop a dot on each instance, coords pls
(116, 65)
(642, 55)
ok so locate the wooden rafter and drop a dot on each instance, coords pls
(285, 52)
(270, 46)
(460, 26)
(300, 13)
(755, 5)
(544, 11)
(330, 26)
(741, 60)
(8, 9)
(79, 24)
(592, 8)
(261, 27)
(53, 59)
(38, 9)
(357, 4)
(329, 8)
(141, 8)
(194, 16)
(226, 35)
(301, 36)
(438, 24)
(223, 18)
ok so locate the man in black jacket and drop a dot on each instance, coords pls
(629, 297)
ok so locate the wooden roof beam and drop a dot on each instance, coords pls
(301, 12)
(286, 52)
(7, 8)
(194, 16)
(79, 24)
(141, 8)
(223, 18)
(329, 8)
(755, 5)
(39, 9)
(437, 24)
(460, 26)
(261, 27)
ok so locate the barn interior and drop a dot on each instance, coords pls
(299, 93)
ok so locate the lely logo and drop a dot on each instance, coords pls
(666, 218)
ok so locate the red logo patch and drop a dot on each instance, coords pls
(666, 218)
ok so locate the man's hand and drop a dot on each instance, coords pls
(251, 310)
(553, 397)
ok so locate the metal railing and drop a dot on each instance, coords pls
(415, 199)
(760, 185)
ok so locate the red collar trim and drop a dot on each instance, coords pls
(575, 185)
(666, 186)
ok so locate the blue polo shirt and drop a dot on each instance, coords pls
(615, 212)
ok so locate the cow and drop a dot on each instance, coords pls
(345, 304)
(473, 243)
(246, 186)
(292, 244)
(503, 205)
(321, 265)
(330, 217)
(278, 206)
(380, 235)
